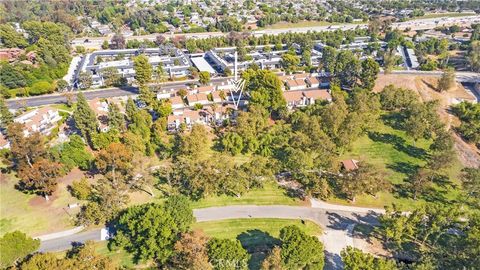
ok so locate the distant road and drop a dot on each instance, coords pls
(50, 99)
(59, 98)
(415, 24)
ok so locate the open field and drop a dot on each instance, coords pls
(32, 214)
(393, 152)
(283, 25)
(256, 235)
(439, 15)
(270, 194)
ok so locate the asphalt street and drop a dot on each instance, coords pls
(59, 98)
(51, 99)
(337, 225)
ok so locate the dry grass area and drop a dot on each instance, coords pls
(425, 86)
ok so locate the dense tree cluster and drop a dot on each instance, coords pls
(469, 114)
(50, 42)
(434, 236)
(79, 257)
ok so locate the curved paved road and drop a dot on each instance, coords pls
(336, 221)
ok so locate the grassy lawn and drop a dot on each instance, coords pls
(257, 235)
(31, 213)
(392, 151)
(440, 15)
(283, 25)
(120, 257)
(270, 194)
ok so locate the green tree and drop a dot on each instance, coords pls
(355, 259)
(155, 224)
(11, 38)
(85, 80)
(116, 119)
(227, 254)
(62, 85)
(474, 56)
(369, 73)
(130, 109)
(6, 117)
(85, 119)
(111, 76)
(392, 98)
(447, 81)
(233, 143)
(365, 180)
(329, 56)
(471, 182)
(14, 246)
(422, 120)
(204, 77)
(81, 189)
(143, 70)
(265, 89)
(290, 62)
(300, 250)
(180, 209)
(74, 153)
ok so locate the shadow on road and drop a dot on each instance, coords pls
(332, 261)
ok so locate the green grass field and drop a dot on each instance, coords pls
(440, 15)
(392, 151)
(31, 213)
(270, 194)
(257, 235)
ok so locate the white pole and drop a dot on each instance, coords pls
(235, 67)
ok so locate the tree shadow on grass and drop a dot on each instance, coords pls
(403, 167)
(398, 143)
(259, 244)
(393, 120)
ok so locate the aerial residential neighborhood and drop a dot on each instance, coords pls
(234, 135)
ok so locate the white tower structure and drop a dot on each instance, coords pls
(239, 84)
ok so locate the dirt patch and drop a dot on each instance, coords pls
(39, 201)
(75, 174)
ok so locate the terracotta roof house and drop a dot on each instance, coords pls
(200, 98)
(350, 164)
(41, 120)
(306, 97)
(296, 84)
(177, 102)
(205, 89)
(313, 82)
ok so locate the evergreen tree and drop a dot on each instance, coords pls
(14, 246)
(6, 117)
(85, 119)
(130, 109)
(116, 119)
(143, 70)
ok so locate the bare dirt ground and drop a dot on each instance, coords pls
(425, 86)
